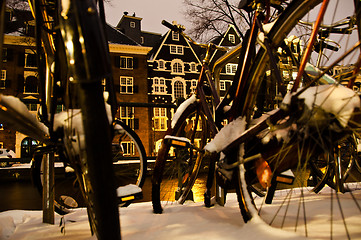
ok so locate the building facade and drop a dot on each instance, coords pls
(173, 71)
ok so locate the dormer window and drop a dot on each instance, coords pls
(132, 24)
(175, 36)
(232, 38)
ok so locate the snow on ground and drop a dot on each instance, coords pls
(189, 221)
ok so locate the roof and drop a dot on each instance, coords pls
(117, 37)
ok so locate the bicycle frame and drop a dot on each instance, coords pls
(240, 87)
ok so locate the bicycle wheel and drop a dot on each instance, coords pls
(87, 129)
(310, 135)
(129, 161)
(66, 187)
(180, 159)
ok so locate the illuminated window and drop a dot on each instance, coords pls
(178, 89)
(126, 85)
(160, 119)
(175, 36)
(232, 38)
(231, 68)
(126, 62)
(159, 86)
(193, 85)
(2, 79)
(127, 116)
(174, 49)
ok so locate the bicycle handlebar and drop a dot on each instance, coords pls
(338, 25)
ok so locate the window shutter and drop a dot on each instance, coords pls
(9, 54)
(135, 63)
(7, 83)
(136, 123)
(135, 89)
(21, 59)
(117, 61)
(20, 83)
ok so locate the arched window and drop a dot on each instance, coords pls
(177, 66)
(27, 147)
(178, 89)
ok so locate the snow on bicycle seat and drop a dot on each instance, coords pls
(129, 192)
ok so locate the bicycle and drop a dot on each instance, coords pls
(129, 169)
(73, 62)
(266, 151)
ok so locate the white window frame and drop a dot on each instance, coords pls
(127, 83)
(32, 107)
(132, 24)
(159, 86)
(30, 74)
(126, 115)
(3, 79)
(231, 68)
(160, 119)
(193, 67)
(29, 52)
(161, 64)
(222, 85)
(128, 62)
(129, 150)
(193, 85)
(232, 38)
(175, 88)
(175, 36)
(177, 66)
(176, 49)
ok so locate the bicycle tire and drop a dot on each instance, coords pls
(129, 167)
(178, 163)
(66, 189)
(87, 139)
(266, 207)
(127, 171)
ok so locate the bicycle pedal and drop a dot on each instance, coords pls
(129, 193)
(286, 178)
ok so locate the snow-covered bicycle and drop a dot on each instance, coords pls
(280, 147)
(73, 65)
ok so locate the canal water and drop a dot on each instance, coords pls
(21, 194)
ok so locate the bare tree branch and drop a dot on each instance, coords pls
(211, 18)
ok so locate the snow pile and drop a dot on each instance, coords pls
(128, 190)
(7, 227)
(178, 222)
